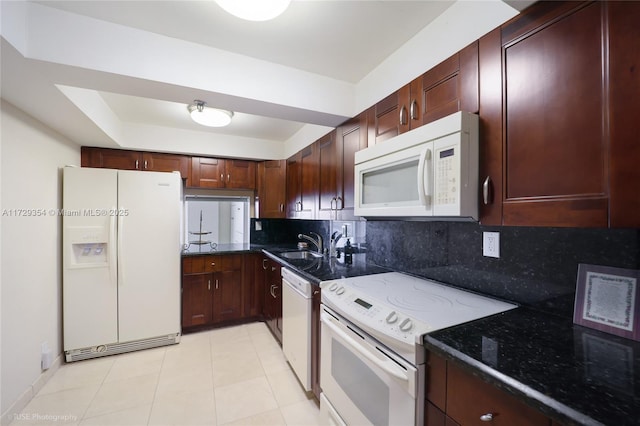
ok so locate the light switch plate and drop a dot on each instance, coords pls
(491, 244)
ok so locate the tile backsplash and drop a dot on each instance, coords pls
(537, 266)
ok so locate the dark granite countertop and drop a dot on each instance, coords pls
(326, 268)
(571, 373)
(317, 270)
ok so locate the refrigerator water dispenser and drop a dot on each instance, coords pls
(89, 247)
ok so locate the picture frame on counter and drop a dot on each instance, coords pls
(608, 299)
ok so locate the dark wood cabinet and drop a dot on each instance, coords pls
(227, 288)
(271, 187)
(337, 161)
(451, 86)
(302, 183)
(135, 160)
(253, 286)
(399, 112)
(218, 173)
(555, 110)
(196, 300)
(105, 158)
(273, 297)
(214, 290)
(456, 397)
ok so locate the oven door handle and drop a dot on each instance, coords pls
(388, 366)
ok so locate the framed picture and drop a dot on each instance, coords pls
(608, 299)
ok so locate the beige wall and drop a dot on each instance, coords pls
(31, 156)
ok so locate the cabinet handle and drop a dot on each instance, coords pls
(486, 417)
(334, 200)
(213, 263)
(275, 287)
(273, 268)
(145, 164)
(209, 286)
(228, 178)
(413, 110)
(264, 264)
(281, 207)
(271, 290)
(136, 164)
(403, 114)
(216, 283)
(487, 193)
(341, 203)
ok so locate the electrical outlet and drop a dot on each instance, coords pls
(491, 244)
(258, 225)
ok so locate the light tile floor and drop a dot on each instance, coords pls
(229, 376)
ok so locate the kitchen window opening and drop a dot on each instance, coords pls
(216, 219)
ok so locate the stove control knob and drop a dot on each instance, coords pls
(392, 317)
(406, 325)
(333, 286)
(340, 291)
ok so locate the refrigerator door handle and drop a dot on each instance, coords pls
(120, 252)
(113, 258)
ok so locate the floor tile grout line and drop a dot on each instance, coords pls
(155, 391)
(84, 414)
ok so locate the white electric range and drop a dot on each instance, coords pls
(371, 329)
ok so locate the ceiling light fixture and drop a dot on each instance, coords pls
(254, 10)
(210, 117)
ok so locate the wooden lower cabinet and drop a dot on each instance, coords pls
(273, 297)
(216, 289)
(456, 397)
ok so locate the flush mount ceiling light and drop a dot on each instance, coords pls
(210, 117)
(254, 10)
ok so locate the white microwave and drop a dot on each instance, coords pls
(427, 173)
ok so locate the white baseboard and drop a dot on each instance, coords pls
(17, 407)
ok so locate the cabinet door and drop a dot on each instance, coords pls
(207, 172)
(302, 183)
(556, 122)
(272, 297)
(240, 174)
(469, 398)
(253, 286)
(399, 112)
(227, 288)
(196, 300)
(271, 183)
(624, 56)
(110, 158)
(328, 174)
(157, 162)
(452, 85)
(352, 137)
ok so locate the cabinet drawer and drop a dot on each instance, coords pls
(469, 397)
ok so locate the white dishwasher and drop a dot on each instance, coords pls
(296, 325)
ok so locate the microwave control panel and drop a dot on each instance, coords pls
(447, 178)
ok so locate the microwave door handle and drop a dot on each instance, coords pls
(387, 366)
(424, 177)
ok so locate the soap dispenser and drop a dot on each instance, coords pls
(348, 252)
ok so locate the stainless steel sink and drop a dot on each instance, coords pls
(303, 255)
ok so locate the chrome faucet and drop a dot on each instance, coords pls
(334, 241)
(318, 243)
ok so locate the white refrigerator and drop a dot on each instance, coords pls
(121, 258)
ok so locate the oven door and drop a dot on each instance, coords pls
(364, 382)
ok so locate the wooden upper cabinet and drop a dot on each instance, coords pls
(135, 160)
(351, 138)
(556, 122)
(327, 175)
(218, 173)
(271, 185)
(110, 158)
(302, 183)
(241, 174)
(398, 112)
(451, 86)
(624, 98)
(207, 172)
(158, 162)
